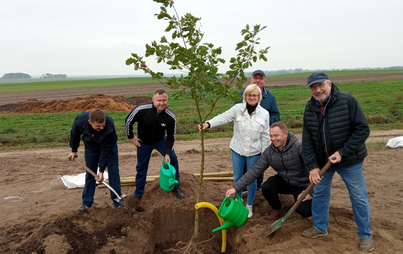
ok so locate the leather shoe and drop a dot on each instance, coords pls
(178, 193)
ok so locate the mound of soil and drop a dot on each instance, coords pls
(78, 104)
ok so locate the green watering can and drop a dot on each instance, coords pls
(167, 176)
(233, 212)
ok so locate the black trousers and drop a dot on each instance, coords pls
(277, 185)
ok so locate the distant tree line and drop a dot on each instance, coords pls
(16, 75)
(299, 70)
(24, 75)
(50, 75)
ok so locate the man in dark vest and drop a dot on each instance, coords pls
(335, 129)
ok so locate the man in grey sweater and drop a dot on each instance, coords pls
(284, 155)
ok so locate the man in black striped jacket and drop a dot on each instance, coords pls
(153, 119)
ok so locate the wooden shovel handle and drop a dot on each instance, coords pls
(310, 187)
(87, 168)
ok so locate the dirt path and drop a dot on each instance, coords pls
(138, 89)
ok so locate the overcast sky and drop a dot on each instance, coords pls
(95, 37)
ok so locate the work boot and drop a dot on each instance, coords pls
(250, 211)
(367, 244)
(313, 233)
(83, 207)
(276, 214)
(178, 193)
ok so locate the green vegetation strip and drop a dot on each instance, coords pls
(382, 102)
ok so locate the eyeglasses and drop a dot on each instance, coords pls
(320, 85)
(252, 95)
(258, 78)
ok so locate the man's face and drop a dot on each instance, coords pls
(160, 102)
(259, 80)
(278, 137)
(321, 91)
(97, 126)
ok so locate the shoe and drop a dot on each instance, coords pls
(178, 193)
(83, 207)
(276, 214)
(250, 211)
(122, 206)
(259, 189)
(313, 233)
(367, 244)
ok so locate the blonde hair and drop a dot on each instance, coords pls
(251, 88)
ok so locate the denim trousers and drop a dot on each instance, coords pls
(353, 177)
(143, 159)
(238, 162)
(91, 160)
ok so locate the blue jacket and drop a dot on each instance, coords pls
(102, 141)
(269, 103)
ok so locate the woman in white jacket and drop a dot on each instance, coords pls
(251, 135)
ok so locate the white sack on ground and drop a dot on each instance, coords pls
(77, 181)
(395, 142)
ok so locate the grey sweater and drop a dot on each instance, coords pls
(288, 164)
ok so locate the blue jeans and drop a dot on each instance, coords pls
(91, 160)
(238, 162)
(143, 158)
(354, 179)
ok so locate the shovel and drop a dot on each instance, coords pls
(277, 224)
(107, 185)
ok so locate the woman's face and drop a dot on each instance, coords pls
(253, 97)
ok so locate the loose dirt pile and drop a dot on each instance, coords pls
(78, 104)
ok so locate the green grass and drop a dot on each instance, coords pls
(382, 102)
(47, 85)
(333, 73)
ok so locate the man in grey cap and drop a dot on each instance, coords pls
(268, 102)
(335, 129)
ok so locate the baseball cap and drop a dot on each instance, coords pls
(258, 72)
(316, 77)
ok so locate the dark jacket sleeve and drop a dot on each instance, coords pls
(171, 132)
(75, 136)
(308, 151)
(130, 120)
(274, 112)
(255, 171)
(360, 129)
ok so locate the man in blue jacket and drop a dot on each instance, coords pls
(153, 120)
(268, 102)
(99, 137)
(335, 129)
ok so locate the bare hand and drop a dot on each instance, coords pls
(307, 197)
(135, 141)
(231, 193)
(335, 158)
(314, 176)
(168, 158)
(100, 177)
(71, 156)
(205, 126)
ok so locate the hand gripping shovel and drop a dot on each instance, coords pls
(107, 185)
(277, 224)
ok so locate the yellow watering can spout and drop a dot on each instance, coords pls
(226, 225)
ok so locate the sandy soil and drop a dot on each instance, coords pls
(40, 215)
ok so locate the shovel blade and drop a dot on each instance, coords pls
(120, 197)
(278, 223)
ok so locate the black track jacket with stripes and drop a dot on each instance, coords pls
(151, 126)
